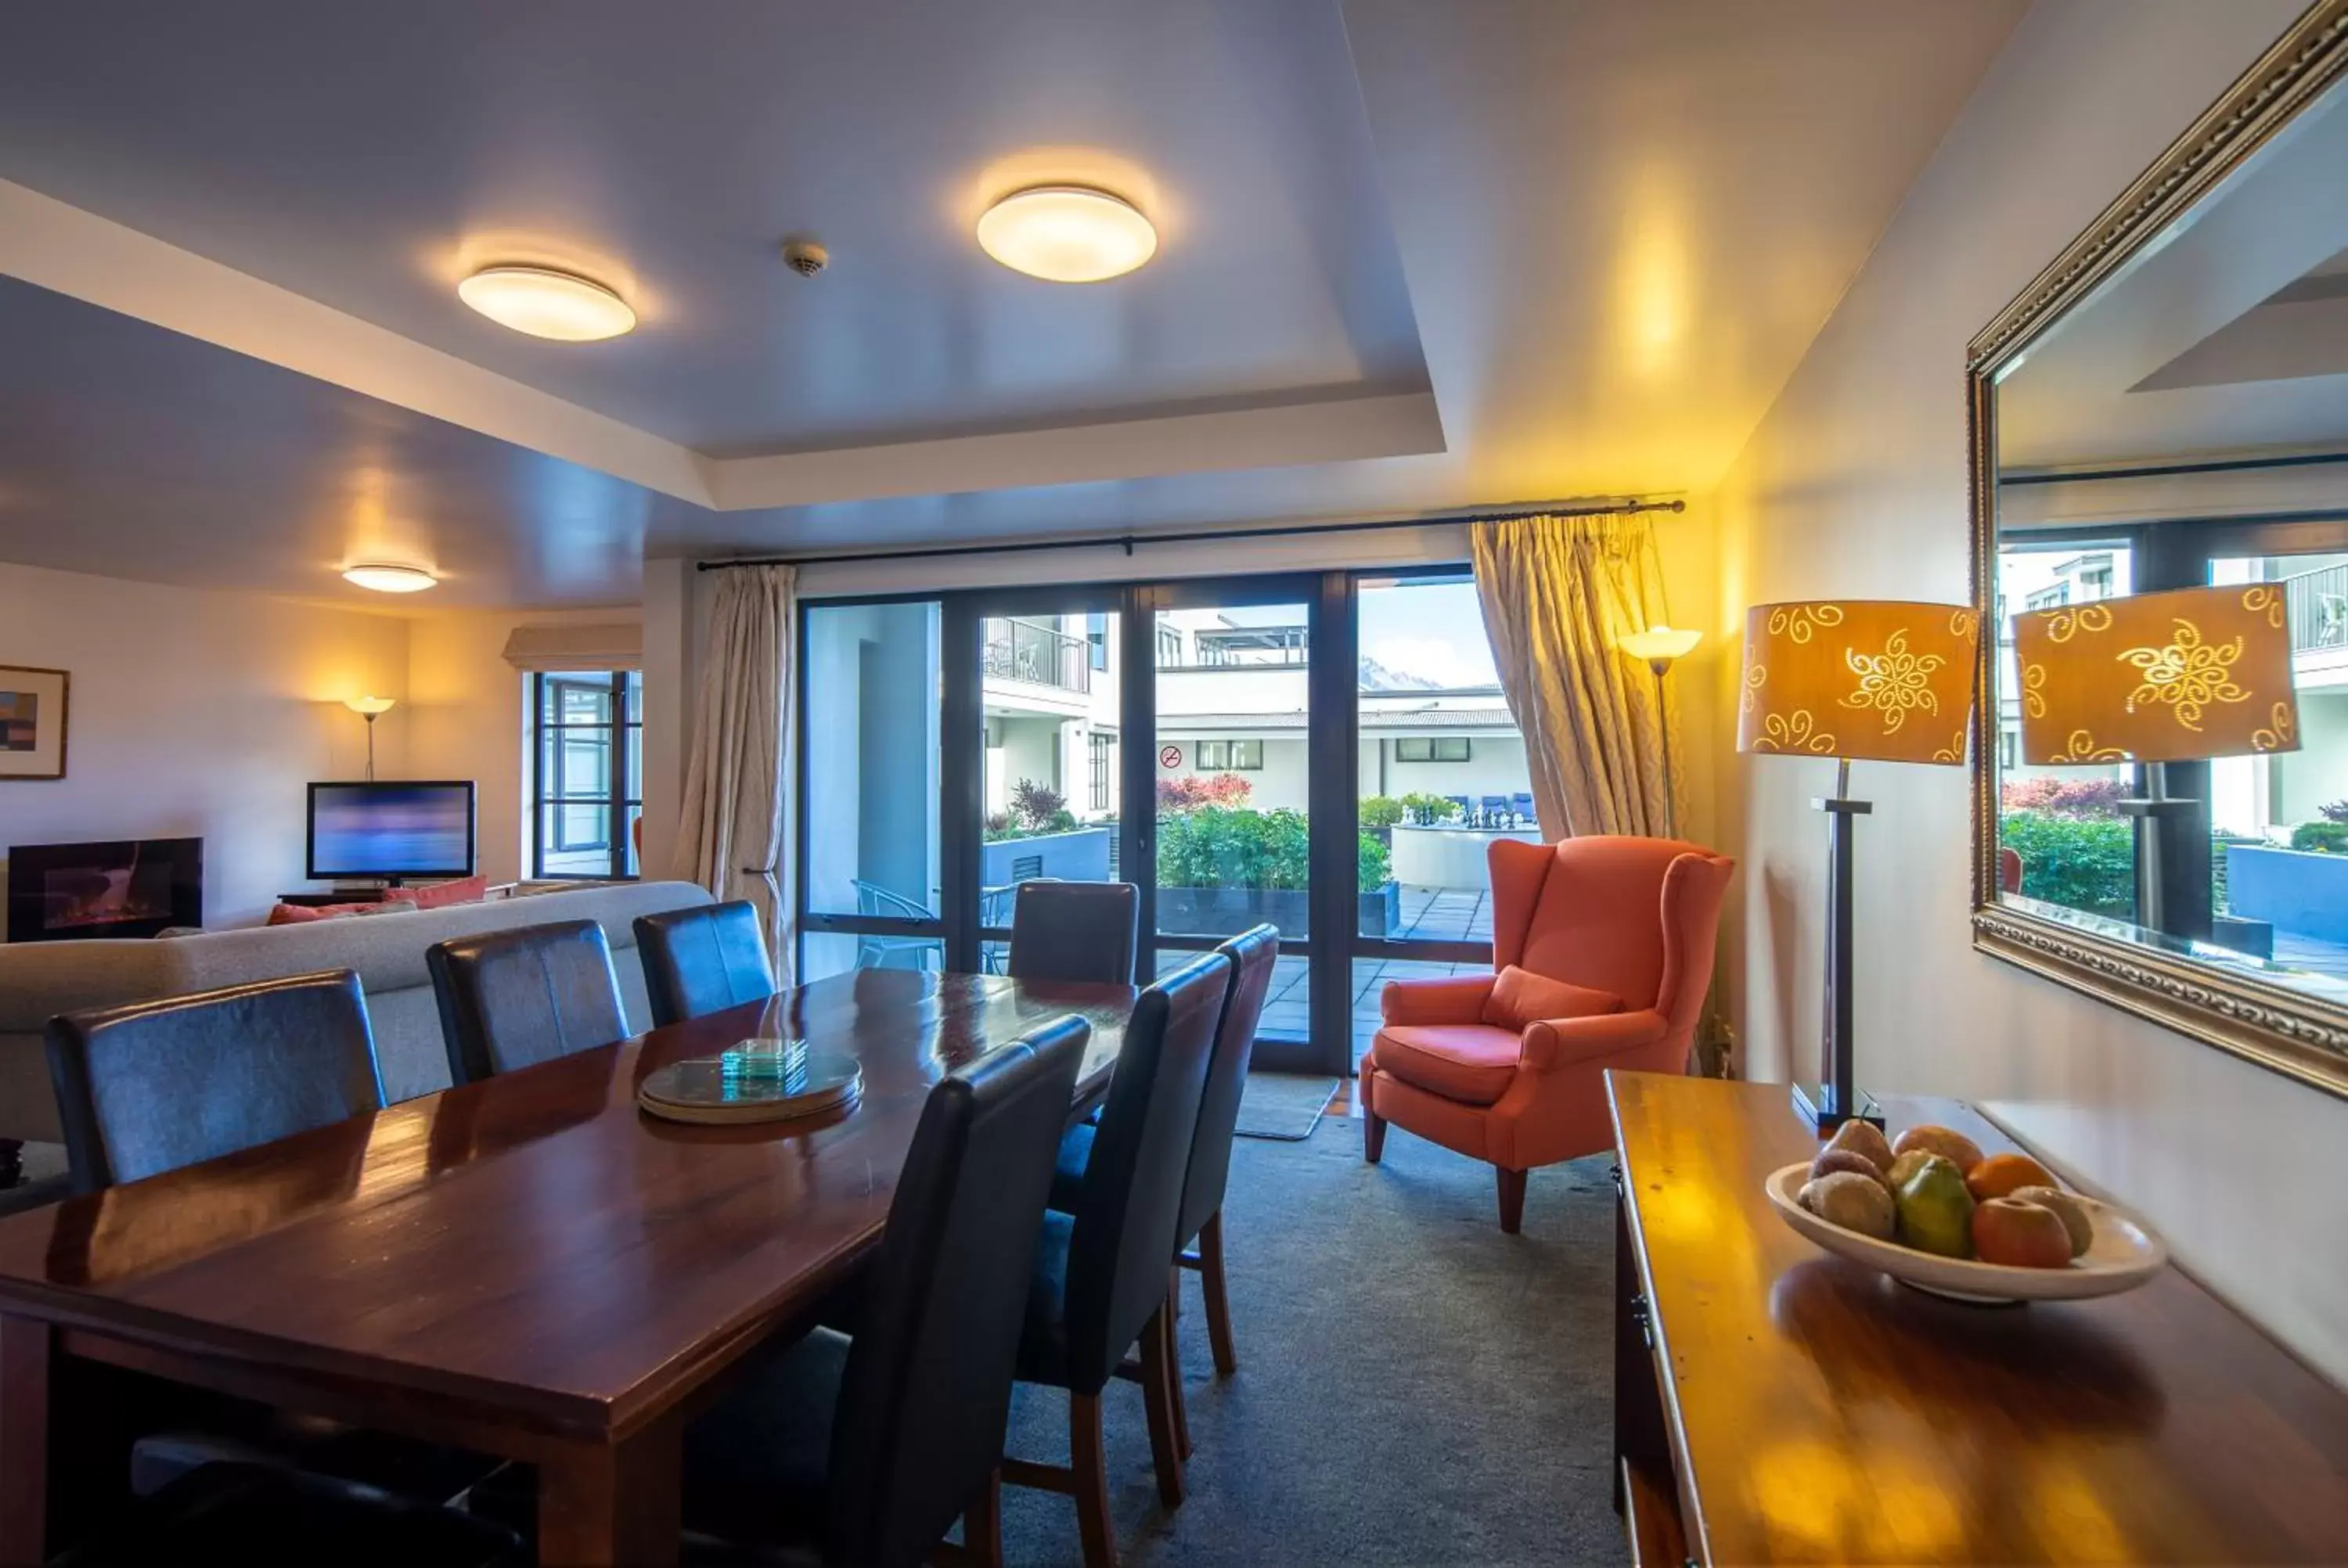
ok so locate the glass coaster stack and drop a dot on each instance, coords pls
(757, 1081)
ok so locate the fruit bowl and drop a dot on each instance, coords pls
(2125, 1254)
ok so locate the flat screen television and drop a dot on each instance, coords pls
(393, 830)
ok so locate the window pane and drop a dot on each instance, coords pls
(2278, 820)
(826, 953)
(1052, 714)
(1232, 845)
(872, 757)
(1442, 766)
(2069, 841)
(575, 840)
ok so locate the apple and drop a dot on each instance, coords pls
(2020, 1235)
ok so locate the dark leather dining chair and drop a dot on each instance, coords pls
(515, 998)
(155, 1085)
(703, 959)
(1100, 1284)
(871, 1447)
(1252, 953)
(1075, 931)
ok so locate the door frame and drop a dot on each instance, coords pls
(1330, 679)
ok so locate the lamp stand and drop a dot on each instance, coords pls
(1662, 666)
(1837, 1099)
(370, 719)
(2152, 813)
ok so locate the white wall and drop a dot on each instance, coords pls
(1856, 484)
(466, 720)
(199, 713)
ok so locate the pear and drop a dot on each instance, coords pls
(1865, 1139)
(1935, 1211)
(1906, 1166)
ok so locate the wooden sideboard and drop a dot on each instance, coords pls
(1775, 1404)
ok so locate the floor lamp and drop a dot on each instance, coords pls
(1660, 645)
(2158, 678)
(1870, 679)
(370, 709)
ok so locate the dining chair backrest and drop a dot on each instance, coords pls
(1123, 1241)
(703, 959)
(1253, 953)
(926, 1393)
(1075, 931)
(155, 1085)
(515, 998)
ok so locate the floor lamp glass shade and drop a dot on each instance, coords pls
(1882, 680)
(2181, 676)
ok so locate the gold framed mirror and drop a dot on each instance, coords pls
(2159, 461)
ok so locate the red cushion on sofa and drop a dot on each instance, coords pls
(440, 894)
(1473, 1063)
(303, 914)
(1520, 997)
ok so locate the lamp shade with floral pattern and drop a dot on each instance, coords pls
(1879, 679)
(2177, 676)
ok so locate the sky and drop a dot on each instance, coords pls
(1434, 631)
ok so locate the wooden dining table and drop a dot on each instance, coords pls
(528, 1267)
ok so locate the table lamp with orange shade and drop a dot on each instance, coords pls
(2185, 675)
(1865, 679)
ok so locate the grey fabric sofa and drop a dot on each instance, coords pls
(39, 980)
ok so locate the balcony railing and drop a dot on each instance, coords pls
(1039, 655)
(2318, 605)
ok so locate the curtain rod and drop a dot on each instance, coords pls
(1130, 540)
(2167, 470)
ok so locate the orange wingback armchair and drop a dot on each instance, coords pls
(1611, 941)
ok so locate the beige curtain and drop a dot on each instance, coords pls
(735, 838)
(1557, 594)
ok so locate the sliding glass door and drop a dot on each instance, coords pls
(872, 855)
(1229, 747)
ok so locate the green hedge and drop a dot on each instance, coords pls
(2080, 862)
(2324, 838)
(1217, 847)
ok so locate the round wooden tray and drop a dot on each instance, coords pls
(2125, 1254)
(757, 1081)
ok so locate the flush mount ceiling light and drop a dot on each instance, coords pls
(546, 304)
(383, 578)
(1068, 233)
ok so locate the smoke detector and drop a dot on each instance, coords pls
(805, 257)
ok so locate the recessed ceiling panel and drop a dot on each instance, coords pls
(369, 157)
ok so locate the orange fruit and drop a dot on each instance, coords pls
(1999, 1176)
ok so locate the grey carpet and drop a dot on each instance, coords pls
(1414, 1386)
(1283, 1106)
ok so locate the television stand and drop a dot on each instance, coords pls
(339, 896)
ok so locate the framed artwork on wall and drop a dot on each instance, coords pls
(32, 724)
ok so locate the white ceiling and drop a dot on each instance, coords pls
(2230, 337)
(1415, 257)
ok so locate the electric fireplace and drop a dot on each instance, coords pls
(73, 892)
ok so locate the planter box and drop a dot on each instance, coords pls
(1228, 911)
(1450, 856)
(2296, 892)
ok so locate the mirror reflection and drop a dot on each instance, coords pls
(2171, 576)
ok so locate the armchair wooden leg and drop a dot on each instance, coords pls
(1157, 1402)
(1512, 1199)
(1089, 1462)
(1374, 1136)
(1218, 1305)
